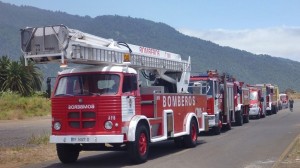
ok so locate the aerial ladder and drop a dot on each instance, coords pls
(59, 43)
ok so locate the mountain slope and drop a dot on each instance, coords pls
(205, 55)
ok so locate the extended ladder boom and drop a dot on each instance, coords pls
(59, 43)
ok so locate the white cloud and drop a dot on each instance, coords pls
(277, 41)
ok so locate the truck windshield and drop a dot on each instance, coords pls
(198, 87)
(283, 97)
(88, 84)
(253, 95)
(210, 87)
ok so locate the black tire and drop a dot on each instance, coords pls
(276, 109)
(258, 116)
(139, 149)
(239, 118)
(246, 119)
(67, 153)
(216, 130)
(269, 112)
(263, 115)
(190, 140)
(228, 125)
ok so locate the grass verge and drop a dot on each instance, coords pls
(39, 150)
(14, 106)
(290, 159)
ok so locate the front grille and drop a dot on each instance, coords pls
(74, 115)
(74, 124)
(89, 124)
(88, 115)
(82, 119)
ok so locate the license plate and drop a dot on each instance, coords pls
(79, 139)
(212, 122)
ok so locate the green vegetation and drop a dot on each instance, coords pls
(17, 77)
(42, 139)
(15, 106)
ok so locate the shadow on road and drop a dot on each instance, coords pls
(121, 159)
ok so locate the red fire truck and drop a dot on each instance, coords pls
(257, 103)
(242, 102)
(284, 98)
(227, 100)
(117, 96)
(235, 100)
(269, 105)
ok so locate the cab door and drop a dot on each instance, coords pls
(129, 97)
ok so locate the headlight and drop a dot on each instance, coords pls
(108, 125)
(57, 125)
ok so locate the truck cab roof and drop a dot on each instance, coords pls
(98, 68)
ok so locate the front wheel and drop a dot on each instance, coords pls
(258, 116)
(263, 115)
(67, 153)
(190, 140)
(228, 125)
(139, 149)
(216, 130)
(246, 118)
(239, 118)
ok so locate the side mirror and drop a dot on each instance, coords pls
(48, 87)
(222, 88)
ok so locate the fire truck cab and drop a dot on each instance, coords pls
(117, 96)
(210, 83)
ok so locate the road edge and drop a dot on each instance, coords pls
(286, 152)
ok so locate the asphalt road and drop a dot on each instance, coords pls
(257, 144)
(18, 132)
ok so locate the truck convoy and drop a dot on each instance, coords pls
(118, 96)
(227, 100)
(112, 95)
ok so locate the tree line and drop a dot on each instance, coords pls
(16, 77)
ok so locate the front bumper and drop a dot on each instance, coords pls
(86, 139)
(254, 111)
(212, 121)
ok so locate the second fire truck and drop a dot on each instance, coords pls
(227, 100)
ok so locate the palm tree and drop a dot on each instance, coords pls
(4, 62)
(35, 74)
(17, 79)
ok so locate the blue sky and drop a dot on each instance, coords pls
(258, 26)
